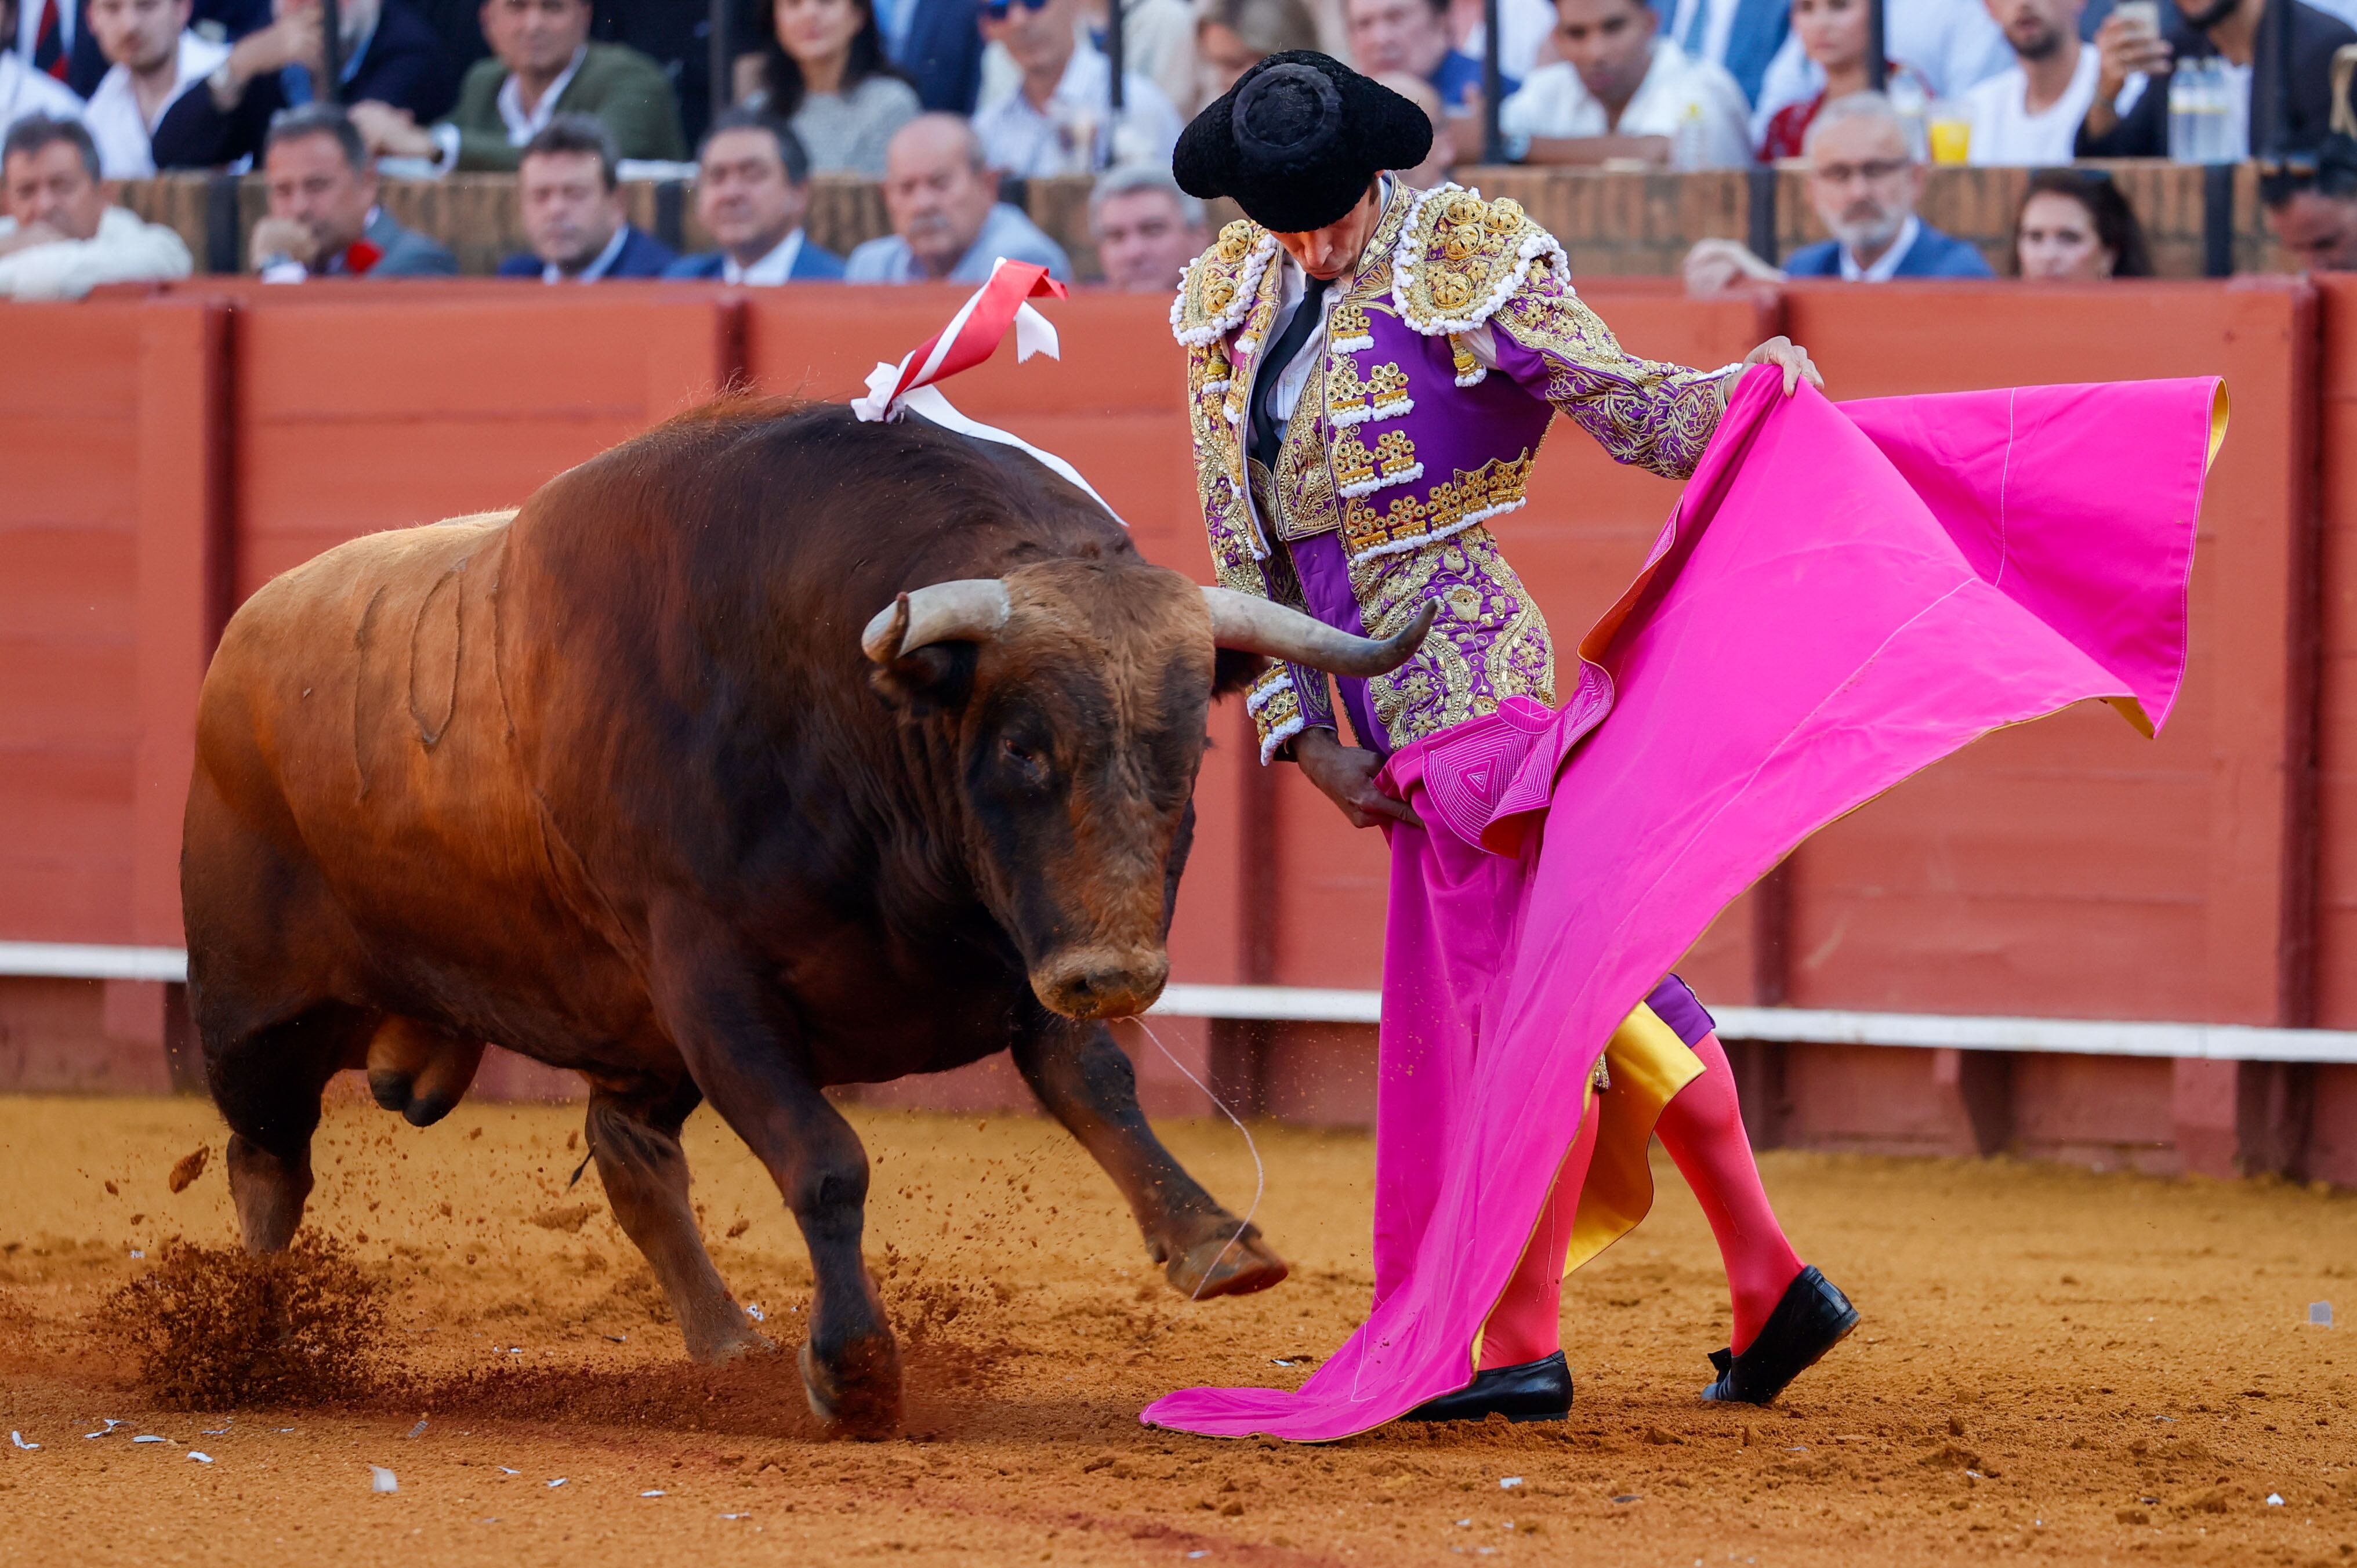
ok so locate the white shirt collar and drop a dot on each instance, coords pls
(195, 61)
(550, 272)
(523, 127)
(775, 268)
(1887, 264)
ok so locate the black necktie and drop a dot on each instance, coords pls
(1306, 317)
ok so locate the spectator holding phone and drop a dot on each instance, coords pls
(2142, 43)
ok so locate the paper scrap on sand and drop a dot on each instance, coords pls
(383, 1480)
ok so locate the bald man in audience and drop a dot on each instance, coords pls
(948, 224)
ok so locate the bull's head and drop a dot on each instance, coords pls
(1080, 691)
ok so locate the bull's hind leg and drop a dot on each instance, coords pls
(267, 1083)
(1086, 1083)
(636, 1140)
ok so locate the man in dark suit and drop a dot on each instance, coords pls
(2129, 118)
(752, 187)
(389, 56)
(324, 218)
(573, 210)
(1749, 40)
(937, 43)
(677, 36)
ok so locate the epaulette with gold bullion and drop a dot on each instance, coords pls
(1459, 258)
(1219, 284)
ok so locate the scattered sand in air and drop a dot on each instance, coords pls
(211, 1327)
(2027, 1329)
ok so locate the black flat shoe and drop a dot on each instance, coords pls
(1533, 1390)
(1811, 1319)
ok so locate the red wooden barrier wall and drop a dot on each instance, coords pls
(167, 453)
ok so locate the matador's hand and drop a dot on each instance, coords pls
(1793, 358)
(1346, 774)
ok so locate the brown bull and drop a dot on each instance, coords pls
(767, 751)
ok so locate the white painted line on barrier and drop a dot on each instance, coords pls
(1310, 1004)
(2070, 1037)
(92, 961)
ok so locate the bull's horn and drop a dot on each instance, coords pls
(966, 610)
(1254, 625)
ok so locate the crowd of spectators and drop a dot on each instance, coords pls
(944, 101)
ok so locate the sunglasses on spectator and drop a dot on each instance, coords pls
(997, 10)
(1874, 171)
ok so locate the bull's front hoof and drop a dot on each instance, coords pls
(858, 1395)
(1226, 1263)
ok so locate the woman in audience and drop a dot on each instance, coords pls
(1233, 36)
(826, 75)
(2074, 223)
(1833, 35)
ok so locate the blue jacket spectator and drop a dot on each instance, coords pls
(937, 44)
(1741, 35)
(807, 261)
(1918, 252)
(632, 252)
(1864, 183)
(752, 187)
(390, 56)
(571, 204)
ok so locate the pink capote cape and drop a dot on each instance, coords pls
(1841, 596)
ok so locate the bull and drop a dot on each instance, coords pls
(769, 751)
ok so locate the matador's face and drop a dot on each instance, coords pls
(1334, 251)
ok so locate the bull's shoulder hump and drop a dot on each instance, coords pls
(1460, 257)
(1218, 286)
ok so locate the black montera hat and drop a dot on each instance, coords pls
(1298, 139)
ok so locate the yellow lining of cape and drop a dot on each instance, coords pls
(1649, 1064)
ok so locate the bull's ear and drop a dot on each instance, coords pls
(1235, 671)
(933, 679)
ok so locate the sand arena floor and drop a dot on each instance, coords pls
(2080, 1368)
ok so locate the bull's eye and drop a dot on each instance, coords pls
(1024, 759)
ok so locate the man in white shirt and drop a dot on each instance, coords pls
(23, 90)
(64, 236)
(155, 59)
(1619, 92)
(2027, 116)
(1060, 119)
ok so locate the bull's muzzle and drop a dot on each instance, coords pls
(1102, 983)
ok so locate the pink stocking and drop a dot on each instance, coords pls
(1702, 1128)
(1527, 1323)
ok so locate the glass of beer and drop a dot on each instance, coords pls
(1951, 134)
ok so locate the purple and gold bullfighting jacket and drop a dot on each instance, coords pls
(1405, 444)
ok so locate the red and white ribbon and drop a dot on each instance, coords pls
(972, 336)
